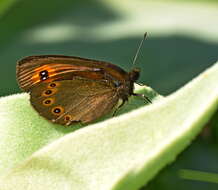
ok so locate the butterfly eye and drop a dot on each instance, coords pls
(49, 92)
(48, 101)
(57, 110)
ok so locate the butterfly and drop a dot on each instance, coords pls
(68, 89)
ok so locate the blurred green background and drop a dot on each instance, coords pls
(182, 42)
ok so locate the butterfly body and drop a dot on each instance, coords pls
(67, 89)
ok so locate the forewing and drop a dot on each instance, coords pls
(60, 67)
(68, 101)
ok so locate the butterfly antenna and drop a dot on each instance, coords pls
(138, 50)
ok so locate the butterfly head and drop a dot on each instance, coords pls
(134, 74)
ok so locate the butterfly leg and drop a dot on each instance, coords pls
(115, 111)
(144, 97)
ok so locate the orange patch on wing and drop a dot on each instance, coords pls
(54, 70)
(36, 77)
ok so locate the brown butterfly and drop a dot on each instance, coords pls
(67, 89)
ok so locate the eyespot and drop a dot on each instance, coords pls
(58, 110)
(49, 92)
(53, 85)
(48, 101)
(43, 75)
(67, 118)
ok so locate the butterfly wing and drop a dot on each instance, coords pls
(33, 70)
(78, 100)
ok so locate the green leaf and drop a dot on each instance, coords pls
(23, 131)
(5, 5)
(121, 153)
